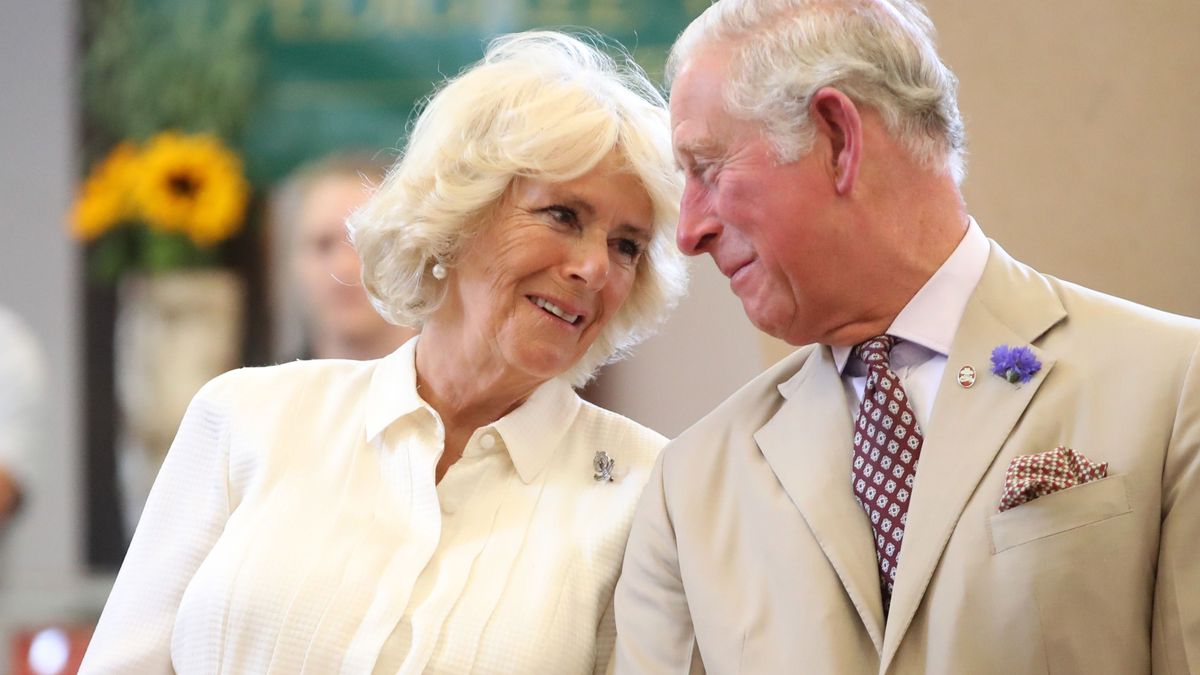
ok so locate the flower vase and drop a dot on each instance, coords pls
(174, 332)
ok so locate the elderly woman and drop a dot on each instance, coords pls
(453, 507)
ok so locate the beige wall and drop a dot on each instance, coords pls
(1083, 137)
(1084, 162)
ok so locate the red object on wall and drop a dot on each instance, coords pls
(48, 650)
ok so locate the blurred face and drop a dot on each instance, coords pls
(543, 279)
(768, 226)
(326, 267)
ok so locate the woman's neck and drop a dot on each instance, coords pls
(468, 388)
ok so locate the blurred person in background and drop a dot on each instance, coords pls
(454, 506)
(324, 313)
(23, 378)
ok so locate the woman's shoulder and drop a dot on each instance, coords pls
(283, 382)
(610, 429)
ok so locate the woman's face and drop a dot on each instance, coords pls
(537, 285)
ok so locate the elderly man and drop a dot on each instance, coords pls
(971, 467)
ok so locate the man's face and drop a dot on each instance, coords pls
(769, 227)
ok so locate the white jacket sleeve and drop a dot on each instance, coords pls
(184, 515)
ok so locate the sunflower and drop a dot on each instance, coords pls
(191, 184)
(104, 198)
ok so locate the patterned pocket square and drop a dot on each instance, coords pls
(1033, 476)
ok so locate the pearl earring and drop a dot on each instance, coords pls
(439, 271)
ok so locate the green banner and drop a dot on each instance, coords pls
(342, 74)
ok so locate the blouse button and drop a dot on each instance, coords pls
(487, 441)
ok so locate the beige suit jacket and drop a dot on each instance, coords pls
(750, 555)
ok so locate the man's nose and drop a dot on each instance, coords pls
(698, 228)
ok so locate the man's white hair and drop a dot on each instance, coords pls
(880, 53)
(540, 104)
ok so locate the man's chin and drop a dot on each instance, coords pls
(762, 319)
(778, 327)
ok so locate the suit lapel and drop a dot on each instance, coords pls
(808, 446)
(1011, 305)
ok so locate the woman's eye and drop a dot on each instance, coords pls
(564, 215)
(629, 249)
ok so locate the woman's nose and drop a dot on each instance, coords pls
(590, 262)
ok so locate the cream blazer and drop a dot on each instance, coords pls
(749, 554)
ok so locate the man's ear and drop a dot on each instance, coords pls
(836, 118)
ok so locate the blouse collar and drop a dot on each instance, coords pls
(530, 433)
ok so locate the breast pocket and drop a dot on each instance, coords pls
(1058, 512)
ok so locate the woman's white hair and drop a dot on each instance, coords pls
(880, 53)
(540, 104)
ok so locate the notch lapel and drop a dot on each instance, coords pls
(809, 447)
(1012, 305)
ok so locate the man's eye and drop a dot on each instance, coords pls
(704, 172)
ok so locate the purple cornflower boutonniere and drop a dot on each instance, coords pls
(1015, 364)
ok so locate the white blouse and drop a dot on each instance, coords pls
(296, 527)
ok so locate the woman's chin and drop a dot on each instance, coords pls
(542, 363)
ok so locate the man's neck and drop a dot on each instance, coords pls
(919, 227)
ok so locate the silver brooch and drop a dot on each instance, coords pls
(602, 466)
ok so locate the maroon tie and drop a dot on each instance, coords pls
(887, 446)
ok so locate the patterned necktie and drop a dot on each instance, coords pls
(887, 446)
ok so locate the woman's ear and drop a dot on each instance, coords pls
(837, 120)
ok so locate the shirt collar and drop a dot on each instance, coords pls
(533, 431)
(393, 389)
(530, 433)
(931, 317)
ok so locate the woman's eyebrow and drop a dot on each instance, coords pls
(635, 231)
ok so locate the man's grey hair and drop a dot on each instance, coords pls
(880, 53)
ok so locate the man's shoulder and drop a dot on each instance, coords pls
(1086, 309)
(1084, 304)
(745, 411)
(1083, 325)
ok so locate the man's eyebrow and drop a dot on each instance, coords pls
(690, 148)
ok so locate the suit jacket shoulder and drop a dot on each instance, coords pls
(745, 410)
